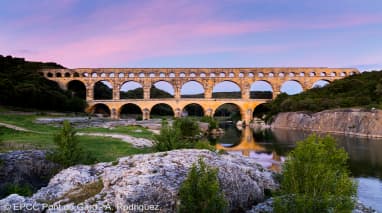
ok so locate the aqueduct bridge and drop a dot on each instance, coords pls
(177, 77)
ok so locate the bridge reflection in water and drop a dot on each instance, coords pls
(250, 148)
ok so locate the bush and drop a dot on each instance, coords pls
(212, 122)
(20, 189)
(203, 144)
(200, 192)
(188, 127)
(169, 138)
(69, 151)
(316, 178)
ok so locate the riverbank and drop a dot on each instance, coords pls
(356, 122)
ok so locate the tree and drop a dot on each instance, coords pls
(68, 150)
(200, 192)
(316, 178)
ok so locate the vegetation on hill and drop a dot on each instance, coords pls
(21, 85)
(361, 90)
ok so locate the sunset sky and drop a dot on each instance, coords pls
(177, 33)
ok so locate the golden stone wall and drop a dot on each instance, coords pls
(177, 77)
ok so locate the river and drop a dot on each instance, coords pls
(271, 147)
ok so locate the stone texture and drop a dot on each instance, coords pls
(25, 167)
(154, 179)
(365, 123)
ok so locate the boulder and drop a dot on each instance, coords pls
(25, 167)
(152, 181)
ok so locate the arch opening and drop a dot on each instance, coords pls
(226, 89)
(101, 110)
(194, 110)
(50, 75)
(228, 112)
(192, 89)
(162, 89)
(261, 90)
(58, 75)
(103, 90)
(161, 110)
(77, 89)
(130, 111)
(131, 90)
(260, 111)
(320, 83)
(291, 87)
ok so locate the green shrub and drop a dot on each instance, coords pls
(169, 138)
(187, 126)
(202, 144)
(316, 178)
(20, 189)
(68, 150)
(212, 122)
(200, 192)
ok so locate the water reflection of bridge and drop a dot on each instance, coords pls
(248, 147)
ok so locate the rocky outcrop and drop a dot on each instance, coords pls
(26, 167)
(148, 181)
(360, 122)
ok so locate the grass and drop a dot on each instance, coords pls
(135, 131)
(104, 149)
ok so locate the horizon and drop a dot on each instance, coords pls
(211, 33)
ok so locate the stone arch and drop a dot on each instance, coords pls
(192, 74)
(100, 109)
(322, 74)
(85, 74)
(162, 89)
(162, 75)
(212, 75)
(241, 75)
(260, 110)
(193, 109)
(131, 75)
(161, 109)
(222, 74)
(302, 74)
(320, 83)
(192, 89)
(312, 74)
(94, 75)
(343, 74)
(281, 74)
(58, 75)
(152, 75)
(231, 75)
(260, 74)
(121, 75)
(271, 75)
(49, 75)
(229, 111)
(171, 75)
(76, 75)
(112, 75)
(103, 90)
(291, 87)
(141, 75)
(67, 75)
(333, 74)
(261, 90)
(130, 110)
(78, 88)
(102, 75)
(203, 75)
(292, 74)
(182, 75)
(251, 74)
(226, 89)
(131, 90)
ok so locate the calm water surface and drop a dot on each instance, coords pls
(271, 147)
